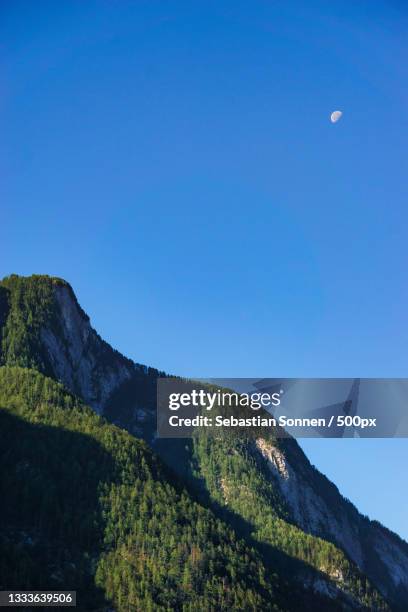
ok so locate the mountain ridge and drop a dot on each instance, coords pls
(43, 326)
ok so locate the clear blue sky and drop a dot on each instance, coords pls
(175, 162)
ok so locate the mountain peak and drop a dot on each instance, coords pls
(39, 285)
(42, 326)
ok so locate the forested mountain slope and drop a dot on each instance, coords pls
(86, 506)
(265, 489)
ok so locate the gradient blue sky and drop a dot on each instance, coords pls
(175, 162)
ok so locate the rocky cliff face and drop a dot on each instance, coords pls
(43, 326)
(318, 508)
(79, 357)
(309, 510)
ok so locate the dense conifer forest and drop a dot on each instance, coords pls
(88, 507)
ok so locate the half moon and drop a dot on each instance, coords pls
(334, 117)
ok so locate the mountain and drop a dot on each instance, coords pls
(262, 490)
